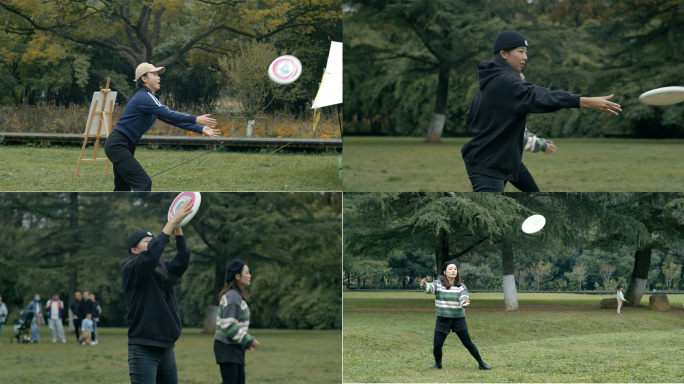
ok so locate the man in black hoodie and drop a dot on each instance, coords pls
(153, 317)
(74, 312)
(498, 114)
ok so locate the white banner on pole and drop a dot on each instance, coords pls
(330, 91)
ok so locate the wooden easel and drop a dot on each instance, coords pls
(105, 119)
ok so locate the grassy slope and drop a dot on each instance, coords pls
(52, 169)
(570, 340)
(285, 357)
(587, 165)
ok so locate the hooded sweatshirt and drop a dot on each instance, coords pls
(497, 117)
(153, 316)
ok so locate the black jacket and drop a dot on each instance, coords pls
(85, 307)
(497, 118)
(74, 308)
(153, 316)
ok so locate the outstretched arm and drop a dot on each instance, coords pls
(600, 104)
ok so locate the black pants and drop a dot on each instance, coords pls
(464, 336)
(484, 183)
(525, 182)
(128, 173)
(232, 373)
(77, 328)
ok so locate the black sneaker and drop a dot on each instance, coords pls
(483, 366)
(436, 366)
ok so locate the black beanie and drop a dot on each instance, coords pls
(444, 267)
(509, 40)
(135, 237)
(234, 267)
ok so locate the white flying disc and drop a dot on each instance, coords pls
(663, 96)
(183, 199)
(285, 69)
(533, 224)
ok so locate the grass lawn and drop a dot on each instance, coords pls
(285, 357)
(587, 165)
(552, 338)
(28, 168)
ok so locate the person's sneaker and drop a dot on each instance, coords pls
(92, 343)
(436, 366)
(83, 343)
(484, 366)
(64, 341)
(54, 340)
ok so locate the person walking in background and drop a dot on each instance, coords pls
(97, 312)
(154, 323)
(86, 329)
(3, 315)
(231, 339)
(38, 320)
(620, 299)
(54, 308)
(74, 312)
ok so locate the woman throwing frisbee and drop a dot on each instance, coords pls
(232, 322)
(498, 114)
(154, 323)
(451, 297)
(142, 110)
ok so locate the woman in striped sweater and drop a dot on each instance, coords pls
(451, 297)
(232, 322)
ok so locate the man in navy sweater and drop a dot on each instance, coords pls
(154, 322)
(142, 110)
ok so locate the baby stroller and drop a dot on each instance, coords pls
(21, 330)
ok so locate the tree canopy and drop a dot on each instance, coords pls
(406, 61)
(592, 239)
(68, 241)
(69, 48)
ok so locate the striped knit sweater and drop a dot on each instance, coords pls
(448, 301)
(232, 321)
(532, 143)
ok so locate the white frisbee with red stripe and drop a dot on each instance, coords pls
(184, 199)
(285, 69)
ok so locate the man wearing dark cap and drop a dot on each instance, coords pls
(153, 317)
(498, 114)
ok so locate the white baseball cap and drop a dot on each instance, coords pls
(147, 67)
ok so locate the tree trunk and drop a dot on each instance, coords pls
(209, 327)
(637, 284)
(442, 250)
(439, 116)
(71, 262)
(508, 269)
(250, 128)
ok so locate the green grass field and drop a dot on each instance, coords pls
(552, 338)
(587, 165)
(285, 357)
(28, 168)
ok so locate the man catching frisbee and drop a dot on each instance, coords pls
(498, 114)
(142, 110)
(154, 322)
